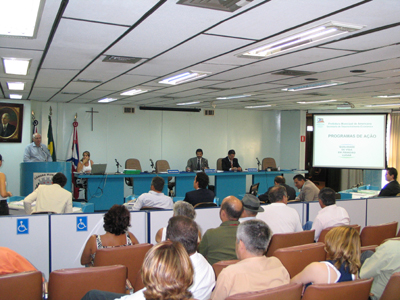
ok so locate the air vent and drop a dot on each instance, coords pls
(208, 112)
(88, 80)
(129, 110)
(121, 59)
(224, 5)
(316, 94)
(293, 73)
(213, 88)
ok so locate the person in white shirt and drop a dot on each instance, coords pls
(280, 217)
(251, 207)
(155, 197)
(330, 215)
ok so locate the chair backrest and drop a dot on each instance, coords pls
(130, 256)
(219, 266)
(162, 166)
(326, 230)
(287, 292)
(73, 284)
(138, 285)
(392, 289)
(296, 258)
(354, 290)
(25, 285)
(268, 162)
(219, 164)
(132, 163)
(375, 235)
(205, 204)
(283, 240)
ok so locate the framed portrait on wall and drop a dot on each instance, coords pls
(11, 116)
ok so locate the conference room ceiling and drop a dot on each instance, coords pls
(75, 36)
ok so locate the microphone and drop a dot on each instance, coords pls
(151, 163)
(258, 162)
(118, 164)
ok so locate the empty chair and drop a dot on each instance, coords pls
(73, 284)
(219, 266)
(130, 256)
(163, 166)
(392, 289)
(283, 240)
(268, 162)
(132, 163)
(205, 204)
(326, 230)
(25, 285)
(354, 290)
(219, 164)
(285, 292)
(376, 234)
(296, 258)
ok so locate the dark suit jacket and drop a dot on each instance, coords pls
(199, 196)
(226, 164)
(9, 131)
(289, 190)
(391, 189)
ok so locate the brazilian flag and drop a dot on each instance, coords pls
(50, 141)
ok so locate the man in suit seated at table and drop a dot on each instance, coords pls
(197, 163)
(7, 129)
(309, 191)
(393, 187)
(219, 243)
(230, 163)
(279, 180)
(201, 193)
(155, 197)
(254, 272)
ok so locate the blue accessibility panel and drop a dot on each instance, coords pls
(23, 226)
(81, 223)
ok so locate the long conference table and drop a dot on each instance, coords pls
(106, 190)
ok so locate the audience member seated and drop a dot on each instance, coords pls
(330, 215)
(393, 187)
(251, 207)
(167, 273)
(381, 265)
(219, 243)
(116, 223)
(12, 262)
(201, 193)
(280, 217)
(254, 271)
(343, 247)
(51, 198)
(230, 163)
(180, 209)
(85, 165)
(279, 180)
(308, 190)
(155, 197)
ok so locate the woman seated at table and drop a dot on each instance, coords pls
(343, 247)
(116, 223)
(85, 165)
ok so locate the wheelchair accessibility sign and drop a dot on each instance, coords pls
(81, 223)
(22, 226)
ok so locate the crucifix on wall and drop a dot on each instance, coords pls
(92, 112)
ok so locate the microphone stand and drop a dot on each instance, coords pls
(258, 164)
(118, 165)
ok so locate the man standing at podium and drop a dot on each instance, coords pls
(36, 151)
(197, 163)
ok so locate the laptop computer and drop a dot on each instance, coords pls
(254, 189)
(98, 169)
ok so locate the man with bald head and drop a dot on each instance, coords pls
(219, 243)
(36, 151)
(6, 129)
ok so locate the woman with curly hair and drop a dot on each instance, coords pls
(343, 247)
(116, 223)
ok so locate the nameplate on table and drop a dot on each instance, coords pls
(252, 169)
(209, 170)
(173, 171)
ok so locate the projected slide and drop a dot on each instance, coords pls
(349, 141)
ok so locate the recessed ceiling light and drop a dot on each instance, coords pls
(184, 77)
(133, 92)
(358, 71)
(16, 86)
(375, 105)
(15, 96)
(107, 100)
(16, 66)
(258, 106)
(233, 97)
(312, 35)
(315, 85)
(188, 103)
(388, 96)
(313, 102)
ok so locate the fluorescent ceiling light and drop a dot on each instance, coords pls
(233, 97)
(313, 102)
(322, 32)
(184, 77)
(16, 86)
(388, 96)
(375, 105)
(133, 92)
(188, 103)
(314, 85)
(20, 17)
(107, 100)
(16, 66)
(15, 96)
(258, 106)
